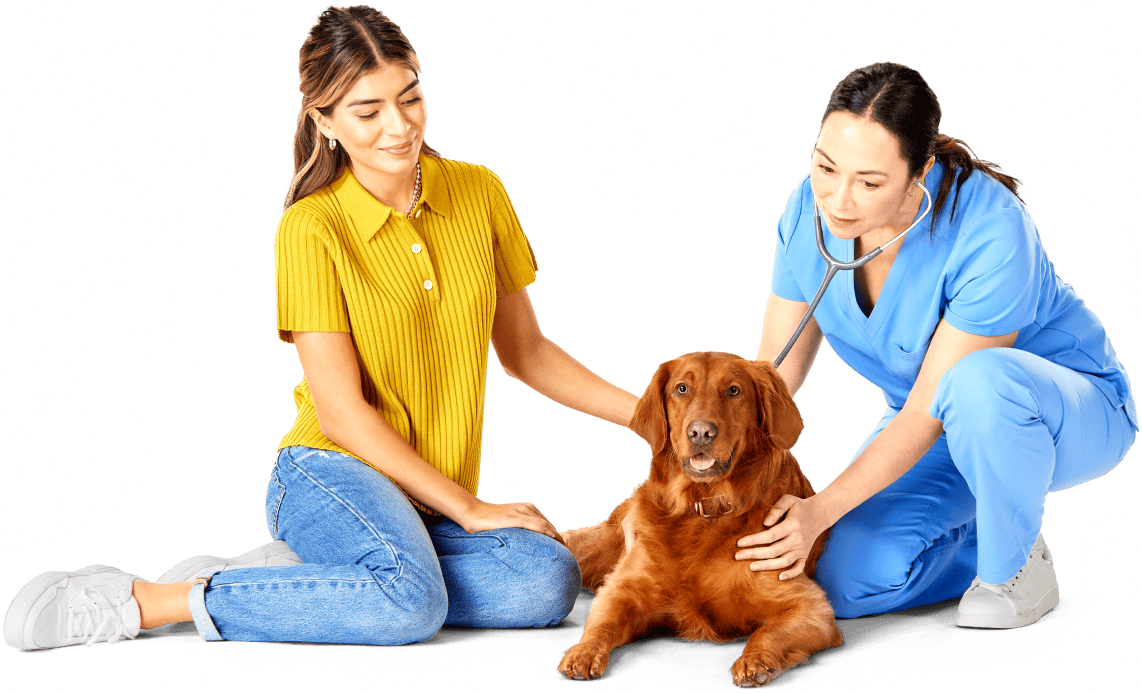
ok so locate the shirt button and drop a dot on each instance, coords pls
(416, 248)
(417, 215)
(428, 284)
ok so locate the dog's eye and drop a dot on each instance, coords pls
(734, 391)
(681, 389)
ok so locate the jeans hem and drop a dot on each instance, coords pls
(202, 620)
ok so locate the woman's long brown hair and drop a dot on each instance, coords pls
(346, 43)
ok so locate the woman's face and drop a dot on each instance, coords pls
(380, 121)
(860, 181)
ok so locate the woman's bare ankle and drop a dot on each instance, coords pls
(162, 603)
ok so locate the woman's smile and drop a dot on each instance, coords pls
(399, 150)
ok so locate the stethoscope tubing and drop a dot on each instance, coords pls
(834, 266)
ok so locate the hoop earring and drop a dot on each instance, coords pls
(332, 143)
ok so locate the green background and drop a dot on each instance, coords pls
(649, 148)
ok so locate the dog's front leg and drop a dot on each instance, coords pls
(800, 629)
(626, 607)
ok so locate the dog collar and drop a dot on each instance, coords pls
(713, 506)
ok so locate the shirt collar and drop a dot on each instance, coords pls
(368, 214)
(433, 185)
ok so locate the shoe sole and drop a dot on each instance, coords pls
(1024, 618)
(276, 553)
(31, 599)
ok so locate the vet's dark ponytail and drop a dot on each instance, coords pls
(955, 154)
(898, 98)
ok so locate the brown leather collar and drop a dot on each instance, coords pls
(714, 506)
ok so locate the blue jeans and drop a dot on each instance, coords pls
(373, 572)
(1015, 427)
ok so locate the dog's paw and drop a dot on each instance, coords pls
(584, 662)
(749, 671)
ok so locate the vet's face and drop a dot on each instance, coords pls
(711, 407)
(860, 180)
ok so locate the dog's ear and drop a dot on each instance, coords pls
(650, 421)
(777, 415)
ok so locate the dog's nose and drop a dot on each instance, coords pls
(701, 433)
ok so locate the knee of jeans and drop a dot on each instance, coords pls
(983, 391)
(860, 571)
(564, 580)
(553, 579)
(408, 610)
(424, 620)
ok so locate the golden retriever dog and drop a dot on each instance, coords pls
(720, 428)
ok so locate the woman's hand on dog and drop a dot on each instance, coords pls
(786, 544)
(485, 516)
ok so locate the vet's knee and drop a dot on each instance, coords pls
(862, 574)
(983, 392)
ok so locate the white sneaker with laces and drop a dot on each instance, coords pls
(1030, 594)
(60, 608)
(275, 553)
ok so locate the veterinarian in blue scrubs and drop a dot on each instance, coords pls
(1001, 383)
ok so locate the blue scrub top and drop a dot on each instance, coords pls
(985, 272)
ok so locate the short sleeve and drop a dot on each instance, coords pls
(784, 284)
(995, 274)
(309, 291)
(515, 261)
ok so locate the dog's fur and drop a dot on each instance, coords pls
(680, 576)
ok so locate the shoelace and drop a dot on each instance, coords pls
(81, 622)
(1001, 588)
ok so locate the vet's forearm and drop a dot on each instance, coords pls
(781, 319)
(891, 454)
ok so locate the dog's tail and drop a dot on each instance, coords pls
(598, 548)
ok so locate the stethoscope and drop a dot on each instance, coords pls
(834, 265)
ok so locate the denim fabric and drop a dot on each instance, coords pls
(1015, 427)
(373, 572)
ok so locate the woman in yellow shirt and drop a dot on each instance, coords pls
(395, 269)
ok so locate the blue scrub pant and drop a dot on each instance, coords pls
(1015, 427)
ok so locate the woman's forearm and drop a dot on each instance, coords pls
(332, 371)
(527, 355)
(362, 430)
(555, 373)
(891, 454)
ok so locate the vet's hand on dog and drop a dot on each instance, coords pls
(788, 543)
(485, 516)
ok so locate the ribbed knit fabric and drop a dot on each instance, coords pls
(418, 295)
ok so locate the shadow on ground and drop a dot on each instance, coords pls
(931, 627)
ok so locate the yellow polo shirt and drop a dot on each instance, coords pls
(418, 296)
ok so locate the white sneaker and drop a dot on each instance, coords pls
(58, 608)
(1030, 594)
(276, 553)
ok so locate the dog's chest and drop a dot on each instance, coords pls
(702, 576)
(697, 540)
